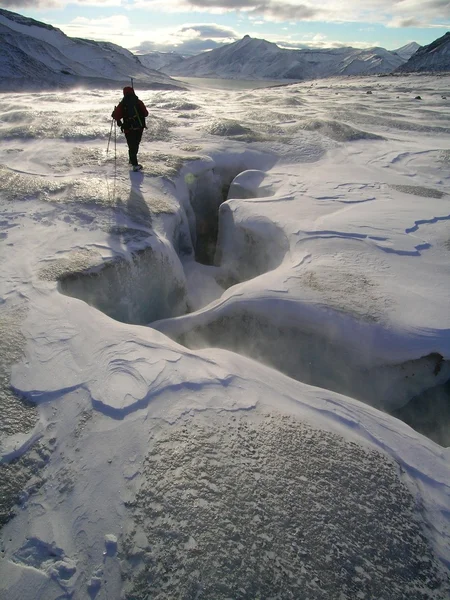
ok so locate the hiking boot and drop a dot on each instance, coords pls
(137, 168)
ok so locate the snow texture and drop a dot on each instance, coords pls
(233, 494)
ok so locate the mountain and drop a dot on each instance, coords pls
(160, 60)
(432, 58)
(252, 58)
(34, 55)
(408, 50)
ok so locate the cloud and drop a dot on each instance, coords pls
(395, 13)
(422, 10)
(337, 11)
(319, 42)
(419, 13)
(193, 38)
(270, 9)
(274, 10)
(35, 4)
(116, 29)
(188, 39)
(207, 30)
(188, 48)
(43, 4)
(410, 22)
(98, 29)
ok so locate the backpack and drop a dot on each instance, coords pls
(132, 118)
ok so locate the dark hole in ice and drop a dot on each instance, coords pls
(205, 204)
(138, 291)
(429, 413)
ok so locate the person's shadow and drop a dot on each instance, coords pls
(126, 290)
(136, 207)
(132, 218)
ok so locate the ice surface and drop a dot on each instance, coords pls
(339, 131)
(233, 496)
(184, 336)
(19, 417)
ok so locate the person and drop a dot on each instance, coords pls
(130, 115)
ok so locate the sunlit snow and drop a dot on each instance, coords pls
(227, 376)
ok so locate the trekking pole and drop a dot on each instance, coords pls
(109, 139)
(115, 142)
(115, 158)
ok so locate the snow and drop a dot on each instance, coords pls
(199, 361)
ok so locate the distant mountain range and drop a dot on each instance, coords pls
(435, 57)
(160, 61)
(34, 55)
(252, 58)
(407, 51)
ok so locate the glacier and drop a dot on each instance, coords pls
(203, 364)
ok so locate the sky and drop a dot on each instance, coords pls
(193, 26)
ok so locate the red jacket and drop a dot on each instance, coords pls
(118, 112)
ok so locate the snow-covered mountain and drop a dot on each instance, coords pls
(431, 58)
(37, 55)
(160, 60)
(408, 50)
(252, 58)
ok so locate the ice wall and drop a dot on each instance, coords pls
(313, 359)
(148, 284)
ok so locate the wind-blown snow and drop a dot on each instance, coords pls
(199, 360)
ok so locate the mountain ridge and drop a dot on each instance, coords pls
(35, 55)
(407, 50)
(254, 58)
(433, 57)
